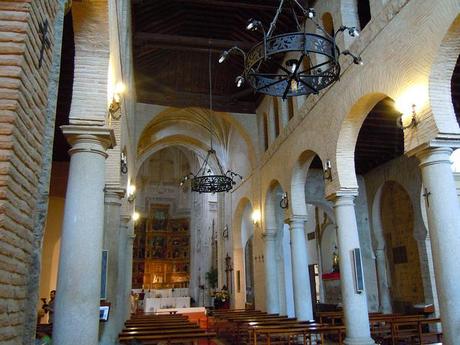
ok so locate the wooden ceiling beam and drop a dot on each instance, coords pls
(230, 4)
(192, 99)
(141, 38)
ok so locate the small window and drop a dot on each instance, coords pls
(291, 108)
(328, 23)
(265, 119)
(276, 111)
(364, 13)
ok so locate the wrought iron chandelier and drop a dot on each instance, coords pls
(205, 180)
(315, 67)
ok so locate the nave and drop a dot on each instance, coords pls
(263, 163)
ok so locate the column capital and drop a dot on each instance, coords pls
(343, 196)
(450, 141)
(125, 219)
(296, 221)
(95, 139)
(269, 235)
(113, 194)
(434, 155)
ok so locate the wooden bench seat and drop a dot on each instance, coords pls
(169, 338)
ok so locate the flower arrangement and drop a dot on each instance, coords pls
(221, 299)
(222, 296)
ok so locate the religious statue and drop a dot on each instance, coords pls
(335, 261)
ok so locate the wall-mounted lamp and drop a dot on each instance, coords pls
(328, 171)
(123, 163)
(131, 192)
(115, 106)
(413, 121)
(256, 217)
(225, 233)
(284, 203)
(136, 216)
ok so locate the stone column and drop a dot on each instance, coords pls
(113, 196)
(300, 276)
(124, 290)
(129, 227)
(284, 112)
(271, 274)
(384, 288)
(443, 211)
(354, 304)
(79, 278)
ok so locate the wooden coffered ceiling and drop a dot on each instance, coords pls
(172, 40)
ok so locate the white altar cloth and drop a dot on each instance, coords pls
(154, 304)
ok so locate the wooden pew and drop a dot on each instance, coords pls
(169, 329)
(175, 338)
(285, 335)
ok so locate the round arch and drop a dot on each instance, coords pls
(298, 181)
(439, 91)
(348, 135)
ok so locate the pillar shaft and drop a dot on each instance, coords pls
(129, 266)
(300, 276)
(123, 295)
(443, 211)
(384, 289)
(354, 303)
(111, 242)
(271, 274)
(79, 279)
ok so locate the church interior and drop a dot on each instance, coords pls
(229, 172)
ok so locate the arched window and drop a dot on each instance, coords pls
(276, 112)
(328, 23)
(265, 119)
(364, 12)
(291, 108)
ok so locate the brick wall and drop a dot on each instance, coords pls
(23, 103)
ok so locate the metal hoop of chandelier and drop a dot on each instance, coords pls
(293, 79)
(205, 181)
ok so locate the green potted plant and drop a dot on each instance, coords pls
(212, 277)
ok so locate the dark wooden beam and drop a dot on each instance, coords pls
(176, 41)
(230, 4)
(190, 99)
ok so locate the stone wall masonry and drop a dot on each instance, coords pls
(91, 29)
(23, 102)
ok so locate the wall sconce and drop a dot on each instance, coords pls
(136, 216)
(413, 122)
(284, 203)
(123, 164)
(256, 217)
(131, 192)
(328, 171)
(115, 106)
(225, 233)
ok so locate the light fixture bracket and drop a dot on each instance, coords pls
(115, 109)
(413, 122)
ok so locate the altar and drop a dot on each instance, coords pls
(155, 304)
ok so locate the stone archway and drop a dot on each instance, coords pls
(243, 234)
(397, 219)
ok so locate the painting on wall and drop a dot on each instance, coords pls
(160, 214)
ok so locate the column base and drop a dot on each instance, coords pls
(358, 341)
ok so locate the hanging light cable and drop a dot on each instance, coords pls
(205, 180)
